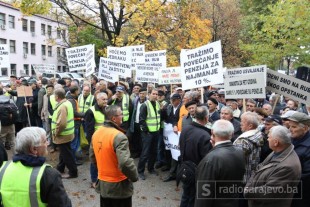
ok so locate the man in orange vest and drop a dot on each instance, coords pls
(110, 152)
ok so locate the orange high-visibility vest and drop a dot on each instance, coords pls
(106, 158)
(77, 109)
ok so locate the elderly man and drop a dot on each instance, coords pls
(224, 162)
(233, 104)
(227, 114)
(191, 108)
(110, 152)
(268, 108)
(28, 178)
(300, 134)
(194, 145)
(250, 141)
(270, 183)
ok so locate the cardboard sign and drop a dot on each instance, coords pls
(44, 68)
(259, 70)
(119, 61)
(288, 86)
(173, 141)
(202, 66)
(170, 75)
(103, 72)
(24, 91)
(4, 56)
(78, 57)
(90, 61)
(245, 86)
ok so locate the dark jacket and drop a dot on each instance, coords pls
(134, 113)
(34, 107)
(3, 154)
(187, 120)
(215, 116)
(52, 189)
(77, 123)
(143, 116)
(22, 110)
(90, 122)
(237, 129)
(276, 171)
(41, 93)
(169, 117)
(8, 111)
(224, 162)
(194, 142)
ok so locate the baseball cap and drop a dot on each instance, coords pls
(300, 118)
(288, 114)
(120, 88)
(275, 118)
(176, 96)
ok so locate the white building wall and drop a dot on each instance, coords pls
(21, 36)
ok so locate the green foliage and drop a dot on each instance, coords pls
(30, 7)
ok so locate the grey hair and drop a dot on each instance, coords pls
(201, 112)
(227, 108)
(189, 95)
(281, 133)
(251, 118)
(223, 129)
(28, 137)
(60, 93)
(99, 95)
(111, 111)
(57, 86)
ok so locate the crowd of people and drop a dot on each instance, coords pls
(262, 143)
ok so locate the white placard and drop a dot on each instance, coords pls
(245, 86)
(137, 55)
(119, 61)
(288, 86)
(76, 57)
(145, 73)
(202, 66)
(44, 68)
(103, 72)
(173, 141)
(157, 59)
(170, 75)
(90, 61)
(4, 56)
(258, 69)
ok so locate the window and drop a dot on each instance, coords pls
(2, 19)
(49, 31)
(4, 71)
(42, 29)
(64, 52)
(58, 33)
(26, 69)
(2, 41)
(12, 46)
(32, 26)
(33, 48)
(25, 47)
(58, 52)
(49, 51)
(25, 25)
(58, 68)
(11, 22)
(13, 69)
(64, 68)
(43, 50)
(64, 34)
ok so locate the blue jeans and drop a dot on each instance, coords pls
(93, 173)
(188, 196)
(75, 143)
(149, 151)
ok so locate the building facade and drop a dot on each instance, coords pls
(32, 40)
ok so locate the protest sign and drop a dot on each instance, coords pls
(137, 55)
(44, 68)
(202, 66)
(119, 61)
(173, 141)
(90, 61)
(156, 59)
(259, 70)
(288, 86)
(169, 75)
(4, 56)
(23, 91)
(103, 72)
(245, 86)
(145, 73)
(76, 57)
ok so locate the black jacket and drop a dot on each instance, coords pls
(224, 162)
(194, 142)
(169, 117)
(77, 114)
(8, 111)
(143, 116)
(90, 122)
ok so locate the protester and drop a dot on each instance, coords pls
(116, 170)
(269, 184)
(224, 162)
(227, 114)
(40, 184)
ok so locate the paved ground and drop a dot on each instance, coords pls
(148, 193)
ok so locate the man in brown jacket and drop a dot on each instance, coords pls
(63, 133)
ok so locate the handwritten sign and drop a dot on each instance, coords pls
(77, 57)
(103, 72)
(169, 75)
(119, 61)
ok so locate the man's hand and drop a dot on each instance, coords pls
(175, 129)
